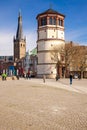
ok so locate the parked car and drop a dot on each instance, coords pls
(75, 76)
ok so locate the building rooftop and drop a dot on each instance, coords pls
(50, 11)
(33, 52)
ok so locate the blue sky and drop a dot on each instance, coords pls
(75, 20)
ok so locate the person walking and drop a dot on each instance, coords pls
(44, 77)
(71, 79)
(4, 76)
(57, 77)
(29, 74)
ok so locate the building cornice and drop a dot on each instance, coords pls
(50, 27)
(50, 39)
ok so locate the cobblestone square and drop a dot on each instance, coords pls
(34, 105)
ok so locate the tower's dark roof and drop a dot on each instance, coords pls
(19, 34)
(50, 11)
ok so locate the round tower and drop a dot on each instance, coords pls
(50, 32)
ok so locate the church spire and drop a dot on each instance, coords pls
(19, 34)
(19, 41)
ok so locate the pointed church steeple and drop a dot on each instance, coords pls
(19, 34)
(19, 41)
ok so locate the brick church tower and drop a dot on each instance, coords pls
(19, 41)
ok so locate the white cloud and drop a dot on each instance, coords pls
(6, 41)
(31, 37)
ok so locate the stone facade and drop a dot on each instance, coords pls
(30, 63)
(5, 63)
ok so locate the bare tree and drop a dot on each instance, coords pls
(57, 56)
(80, 58)
(74, 56)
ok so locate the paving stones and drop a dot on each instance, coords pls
(32, 105)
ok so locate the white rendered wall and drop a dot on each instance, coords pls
(42, 34)
(47, 70)
(48, 38)
(49, 45)
(45, 65)
(60, 34)
(51, 33)
(44, 58)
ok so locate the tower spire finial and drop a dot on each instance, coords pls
(50, 5)
(19, 34)
(19, 12)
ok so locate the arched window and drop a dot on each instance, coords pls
(54, 21)
(60, 22)
(50, 20)
(43, 21)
